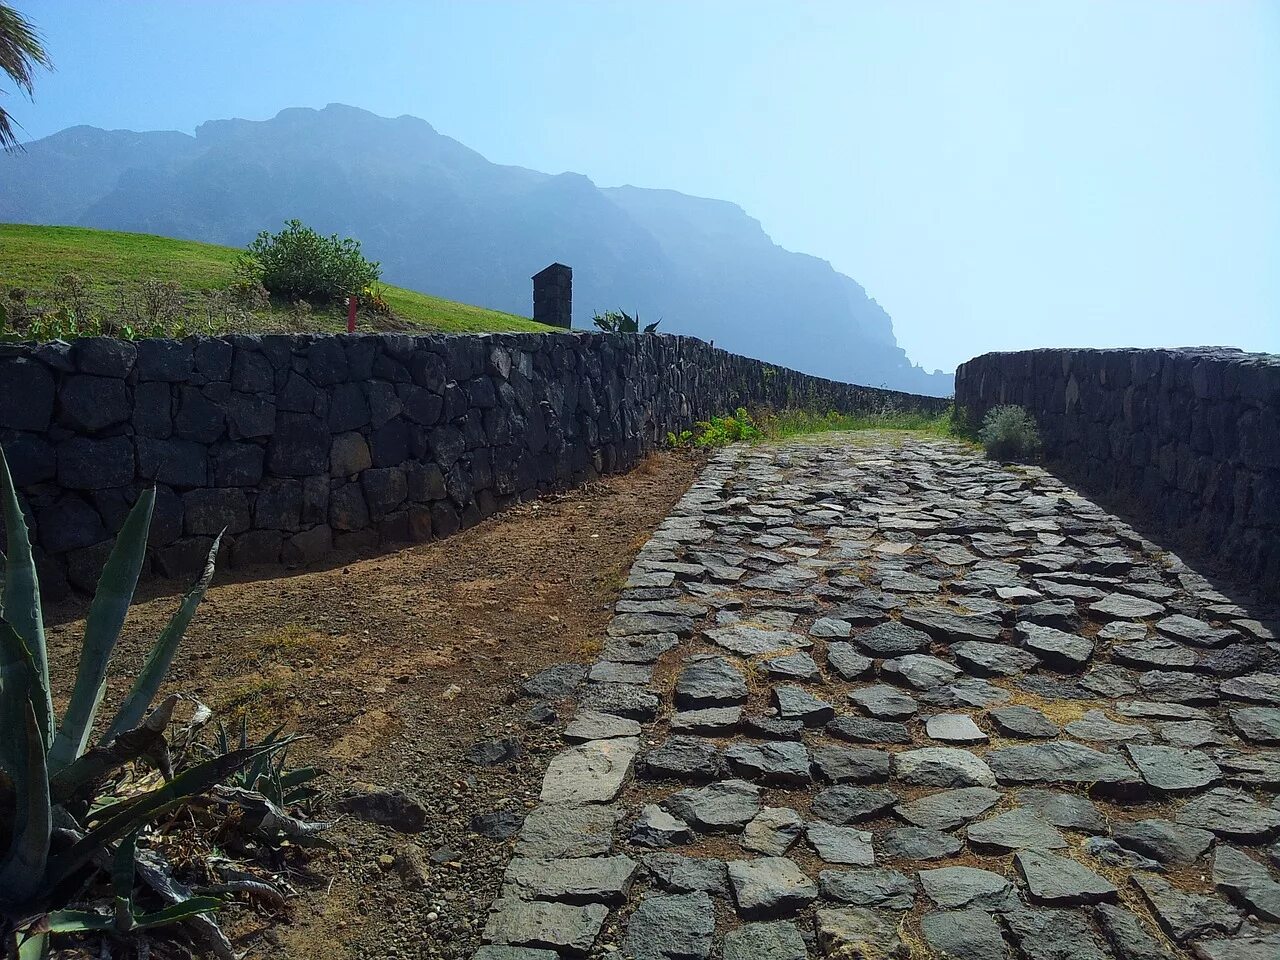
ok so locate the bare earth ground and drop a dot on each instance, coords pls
(394, 666)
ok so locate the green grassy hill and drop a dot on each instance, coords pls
(111, 266)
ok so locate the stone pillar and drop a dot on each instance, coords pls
(553, 296)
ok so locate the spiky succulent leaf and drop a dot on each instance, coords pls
(177, 912)
(21, 602)
(78, 921)
(126, 816)
(144, 740)
(102, 629)
(153, 671)
(23, 866)
(34, 946)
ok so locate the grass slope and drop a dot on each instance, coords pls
(36, 257)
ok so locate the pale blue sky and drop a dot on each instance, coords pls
(998, 175)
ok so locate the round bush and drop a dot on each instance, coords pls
(299, 264)
(1009, 433)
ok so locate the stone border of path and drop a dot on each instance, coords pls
(567, 841)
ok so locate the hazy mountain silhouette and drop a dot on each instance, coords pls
(445, 220)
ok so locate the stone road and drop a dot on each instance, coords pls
(890, 700)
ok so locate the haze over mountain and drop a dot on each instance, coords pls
(443, 219)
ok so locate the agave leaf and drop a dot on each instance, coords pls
(24, 864)
(177, 912)
(91, 766)
(35, 946)
(127, 816)
(102, 628)
(122, 874)
(161, 656)
(78, 921)
(21, 601)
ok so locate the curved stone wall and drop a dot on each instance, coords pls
(298, 445)
(1189, 438)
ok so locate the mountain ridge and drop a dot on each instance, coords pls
(445, 220)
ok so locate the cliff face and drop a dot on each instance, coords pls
(445, 220)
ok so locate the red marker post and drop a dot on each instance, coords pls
(351, 313)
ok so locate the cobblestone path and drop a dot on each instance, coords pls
(884, 700)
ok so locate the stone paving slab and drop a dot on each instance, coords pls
(883, 699)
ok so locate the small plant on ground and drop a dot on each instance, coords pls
(299, 264)
(74, 806)
(792, 422)
(722, 431)
(1009, 433)
(619, 321)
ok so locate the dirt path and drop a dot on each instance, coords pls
(394, 666)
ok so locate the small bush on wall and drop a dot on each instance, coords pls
(299, 264)
(1009, 433)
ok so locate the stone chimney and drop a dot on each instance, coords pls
(553, 296)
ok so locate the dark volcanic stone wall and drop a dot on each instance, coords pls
(298, 445)
(1189, 438)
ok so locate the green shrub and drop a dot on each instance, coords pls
(1009, 433)
(299, 264)
(722, 431)
(619, 321)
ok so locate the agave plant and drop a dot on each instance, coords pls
(64, 820)
(619, 321)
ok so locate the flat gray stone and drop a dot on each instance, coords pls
(985, 659)
(588, 725)
(1099, 728)
(868, 730)
(1061, 881)
(556, 832)
(887, 889)
(711, 721)
(949, 808)
(1017, 829)
(779, 940)
(785, 763)
(676, 874)
(884, 702)
(830, 627)
(954, 728)
(553, 926)
(707, 681)
(963, 935)
(555, 682)
(919, 671)
(717, 808)
(845, 661)
(609, 671)
(1053, 935)
(1185, 916)
(1056, 649)
(1070, 811)
(1128, 938)
(498, 952)
(1121, 606)
(843, 805)
(964, 888)
(749, 641)
(793, 666)
(671, 927)
(794, 703)
(1173, 769)
(579, 880)
(769, 887)
(621, 700)
(851, 764)
(841, 844)
(917, 843)
(942, 767)
(1254, 688)
(656, 828)
(1159, 653)
(1246, 882)
(1172, 844)
(891, 639)
(1232, 814)
(1023, 722)
(773, 831)
(1190, 630)
(1061, 761)
(691, 759)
